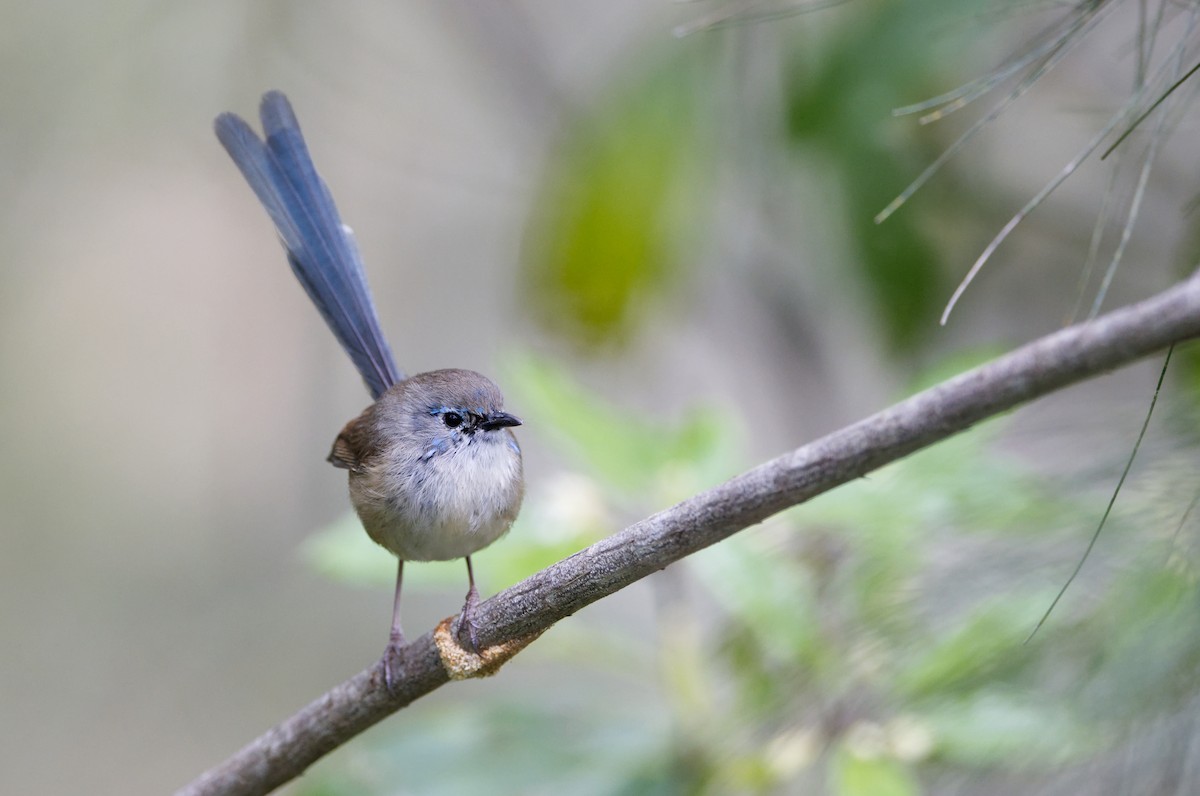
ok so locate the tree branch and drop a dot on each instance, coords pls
(517, 615)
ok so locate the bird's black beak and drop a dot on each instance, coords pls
(499, 420)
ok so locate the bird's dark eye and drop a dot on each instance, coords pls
(452, 419)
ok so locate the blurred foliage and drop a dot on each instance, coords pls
(573, 743)
(837, 106)
(631, 185)
(607, 233)
(606, 225)
(869, 642)
(879, 776)
(643, 456)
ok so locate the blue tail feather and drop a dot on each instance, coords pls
(320, 248)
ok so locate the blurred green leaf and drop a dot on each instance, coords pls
(1151, 650)
(579, 745)
(604, 235)
(344, 552)
(978, 651)
(958, 484)
(659, 460)
(839, 107)
(768, 594)
(854, 775)
(1000, 727)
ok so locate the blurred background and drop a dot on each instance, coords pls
(653, 225)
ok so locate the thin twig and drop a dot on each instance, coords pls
(1075, 34)
(1154, 105)
(1087, 552)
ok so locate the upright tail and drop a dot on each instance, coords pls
(320, 249)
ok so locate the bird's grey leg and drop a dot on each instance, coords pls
(466, 620)
(393, 665)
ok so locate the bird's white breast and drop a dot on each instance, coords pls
(445, 507)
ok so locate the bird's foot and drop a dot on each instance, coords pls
(393, 662)
(467, 626)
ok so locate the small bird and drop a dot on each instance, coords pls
(434, 467)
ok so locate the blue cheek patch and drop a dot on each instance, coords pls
(439, 445)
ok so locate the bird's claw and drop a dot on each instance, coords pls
(393, 662)
(467, 625)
